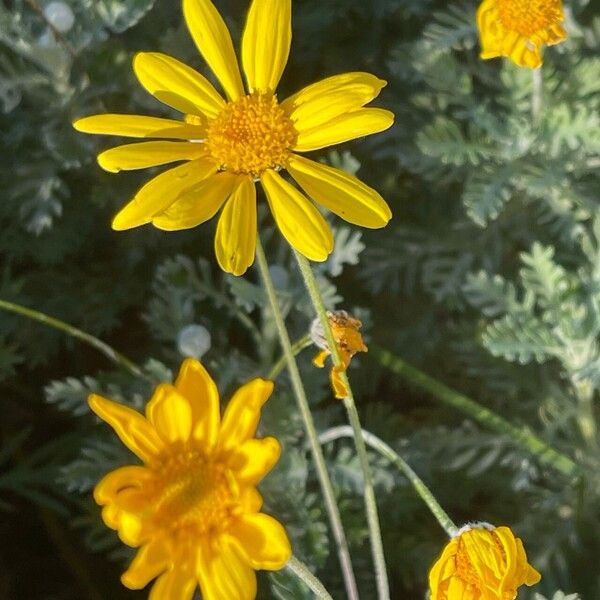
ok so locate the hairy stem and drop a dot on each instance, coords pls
(301, 571)
(388, 452)
(309, 426)
(369, 493)
(520, 435)
(87, 338)
(297, 347)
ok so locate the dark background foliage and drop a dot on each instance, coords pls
(487, 278)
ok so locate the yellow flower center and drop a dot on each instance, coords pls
(196, 492)
(250, 135)
(528, 17)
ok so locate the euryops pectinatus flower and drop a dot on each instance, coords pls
(482, 562)
(193, 508)
(230, 143)
(519, 28)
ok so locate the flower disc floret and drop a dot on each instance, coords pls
(250, 135)
(527, 17)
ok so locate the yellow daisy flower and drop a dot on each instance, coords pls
(482, 562)
(349, 341)
(230, 143)
(192, 509)
(519, 28)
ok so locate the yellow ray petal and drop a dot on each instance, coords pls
(129, 477)
(341, 193)
(324, 100)
(235, 239)
(176, 84)
(266, 43)
(198, 387)
(262, 541)
(159, 193)
(299, 221)
(150, 561)
(138, 126)
(243, 413)
(197, 204)
(148, 154)
(253, 459)
(176, 584)
(170, 413)
(359, 123)
(131, 427)
(223, 574)
(214, 43)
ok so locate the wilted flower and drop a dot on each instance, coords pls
(519, 28)
(482, 562)
(193, 508)
(229, 144)
(348, 339)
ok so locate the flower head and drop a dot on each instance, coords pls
(348, 339)
(482, 562)
(229, 143)
(192, 508)
(519, 28)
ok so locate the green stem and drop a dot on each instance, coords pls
(99, 345)
(536, 94)
(369, 493)
(380, 446)
(297, 347)
(520, 435)
(309, 426)
(301, 571)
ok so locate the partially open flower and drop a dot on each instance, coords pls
(192, 509)
(519, 28)
(482, 562)
(348, 340)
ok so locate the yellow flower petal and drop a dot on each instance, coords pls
(359, 123)
(177, 85)
(130, 529)
(198, 387)
(262, 541)
(250, 499)
(214, 43)
(329, 98)
(131, 427)
(197, 204)
(300, 222)
(176, 584)
(243, 413)
(123, 478)
(150, 561)
(253, 459)
(222, 573)
(170, 413)
(266, 43)
(235, 239)
(138, 126)
(159, 193)
(148, 154)
(343, 194)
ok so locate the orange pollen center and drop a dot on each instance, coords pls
(250, 135)
(196, 493)
(528, 17)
